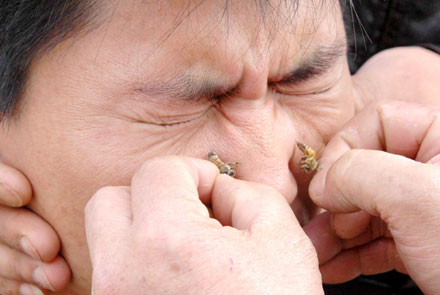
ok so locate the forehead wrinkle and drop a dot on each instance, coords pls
(185, 86)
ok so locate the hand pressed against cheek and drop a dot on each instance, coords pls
(98, 106)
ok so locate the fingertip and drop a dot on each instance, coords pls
(350, 225)
(58, 274)
(40, 242)
(334, 150)
(45, 250)
(34, 236)
(204, 166)
(325, 241)
(207, 174)
(15, 188)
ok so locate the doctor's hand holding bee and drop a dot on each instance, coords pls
(380, 179)
(254, 245)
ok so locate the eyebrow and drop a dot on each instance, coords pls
(321, 61)
(185, 87)
(194, 87)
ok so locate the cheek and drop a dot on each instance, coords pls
(61, 188)
(327, 113)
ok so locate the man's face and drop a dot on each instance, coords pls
(244, 81)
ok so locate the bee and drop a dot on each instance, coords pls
(224, 168)
(308, 162)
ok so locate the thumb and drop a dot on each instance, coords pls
(403, 193)
(108, 216)
(254, 207)
(15, 188)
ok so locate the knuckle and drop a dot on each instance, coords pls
(270, 194)
(267, 197)
(101, 197)
(160, 237)
(105, 191)
(383, 108)
(158, 163)
(165, 166)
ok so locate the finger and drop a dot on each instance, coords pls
(373, 230)
(401, 128)
(406, 129)
(253, 207)
(323, 237)
(26, 231)
(108, 216)
(15, 189)
(173, 188)
(403, 192)
(329, 244)
(14, 265)
(11, 287)
(348, 226)
(384, 189)
(25, 289)
(378, 257)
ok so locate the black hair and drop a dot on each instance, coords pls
(27, 29)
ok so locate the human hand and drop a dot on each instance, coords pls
(157, 237)
(402, 73)
(356, 174)
(28, 245)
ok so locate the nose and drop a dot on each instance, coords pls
(260, 133)
(261, 137)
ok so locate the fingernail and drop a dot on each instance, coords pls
(27, 289)
(9, 197)
(28, 248)
(40, 278)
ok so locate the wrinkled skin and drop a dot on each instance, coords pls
(379, 178)
(254, 245)
(94, 107)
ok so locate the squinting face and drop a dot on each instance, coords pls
(160, 79)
